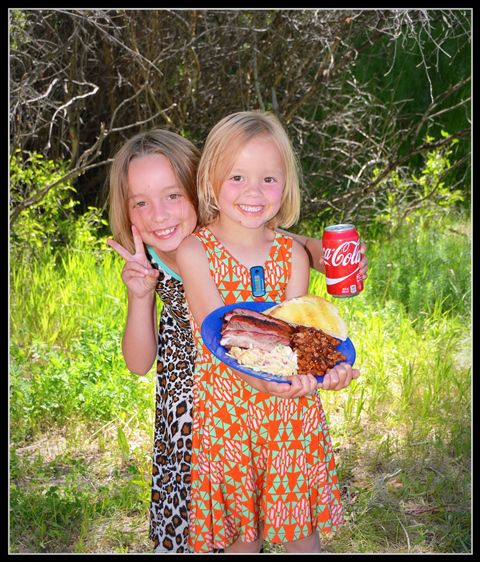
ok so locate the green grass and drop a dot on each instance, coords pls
(76, 490)
(81, 425)
(402, 431)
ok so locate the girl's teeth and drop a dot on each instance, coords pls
(164, 232)
(250, 209)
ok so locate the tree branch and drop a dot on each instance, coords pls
(39, 195)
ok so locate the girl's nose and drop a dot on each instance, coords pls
(159, 212)
(253, 186)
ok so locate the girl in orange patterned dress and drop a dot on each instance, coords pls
(262, 461)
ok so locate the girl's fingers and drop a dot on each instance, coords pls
(139, 256)
(334, 379)
(303, 385)
(121, 251)
(136, 269)
(346, 381)
(314, 384)
(277, 388)
(295, 387)
(131, 279)
(339, 377)
(329, 379)
(137, 240)
(364, 260)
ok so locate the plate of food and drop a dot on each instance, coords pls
(272, 341)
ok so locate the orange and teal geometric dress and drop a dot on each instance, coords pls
(255, 457)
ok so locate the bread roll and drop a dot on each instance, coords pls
(312, 311)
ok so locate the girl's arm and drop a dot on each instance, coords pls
(200, 290)
(299, 278)
(314, 249)
(139, 342)
(341, 375)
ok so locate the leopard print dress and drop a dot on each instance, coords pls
(173, 416)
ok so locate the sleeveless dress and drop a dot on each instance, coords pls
(255, 457)
(173, 416)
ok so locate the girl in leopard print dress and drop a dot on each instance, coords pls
(152, 207)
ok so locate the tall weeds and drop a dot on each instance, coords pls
(395, 430)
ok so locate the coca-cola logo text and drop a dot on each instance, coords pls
(343, 255)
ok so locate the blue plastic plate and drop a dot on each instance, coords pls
(211, 334)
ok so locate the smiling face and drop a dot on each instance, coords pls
(157, 204)
(251, 195)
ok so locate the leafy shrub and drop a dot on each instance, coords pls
(410, 196)
(50, 221)
(89, 381)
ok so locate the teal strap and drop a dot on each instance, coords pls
(162, 265)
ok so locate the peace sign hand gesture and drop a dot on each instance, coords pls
(138, 274)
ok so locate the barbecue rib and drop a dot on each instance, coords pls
(245, 329)
(254, 331)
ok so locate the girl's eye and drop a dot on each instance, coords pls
(174, 196)
(269, 179)
(139, 204)
(237, 178)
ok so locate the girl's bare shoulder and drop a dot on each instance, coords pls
(188, 244)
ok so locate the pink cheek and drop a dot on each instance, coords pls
(179, 210)
(137, 218)
(273, 194)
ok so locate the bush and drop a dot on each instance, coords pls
(410, 196)
(51, 221)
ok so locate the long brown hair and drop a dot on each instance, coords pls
(183, 157)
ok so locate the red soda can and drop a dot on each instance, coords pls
(341, 249)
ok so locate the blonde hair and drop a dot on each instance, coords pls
(183, 157)
(224, 142)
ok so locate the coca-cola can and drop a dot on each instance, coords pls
(341, 252)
